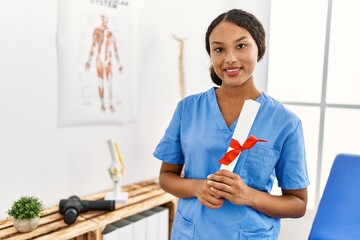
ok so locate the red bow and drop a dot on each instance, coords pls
(237, 148)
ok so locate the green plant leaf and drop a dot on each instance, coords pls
(26, 207)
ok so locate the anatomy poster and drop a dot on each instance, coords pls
(95, 81)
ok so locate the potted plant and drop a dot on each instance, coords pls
(26, 213)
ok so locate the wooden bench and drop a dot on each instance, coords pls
(89, 225)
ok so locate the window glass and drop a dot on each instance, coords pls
(296, 57)
(341, 135)
(296, 49)
(343, 72)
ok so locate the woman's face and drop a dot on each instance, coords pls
(233, 53)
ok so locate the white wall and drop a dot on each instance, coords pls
(39, 158)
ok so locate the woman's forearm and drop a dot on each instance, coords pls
(178, 186)
(228, 185)
(285, 206)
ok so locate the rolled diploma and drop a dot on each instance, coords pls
(242, 128)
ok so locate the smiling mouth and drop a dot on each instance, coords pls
(232, 70)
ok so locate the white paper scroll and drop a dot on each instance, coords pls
(243, 126)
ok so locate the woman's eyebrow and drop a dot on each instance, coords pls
(242, 38)
(237, 40)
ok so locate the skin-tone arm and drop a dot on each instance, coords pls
(92, 49)
(172, 182)
(111, 42)
(228, 185)
(120, 68)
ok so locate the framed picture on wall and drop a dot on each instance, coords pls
(96, 84)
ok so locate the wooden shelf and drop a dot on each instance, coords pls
(142, 196)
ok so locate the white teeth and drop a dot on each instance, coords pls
(232, 70)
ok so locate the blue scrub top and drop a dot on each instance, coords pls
(198, 137)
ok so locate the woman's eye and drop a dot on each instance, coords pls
(241, 45)
(218, 49)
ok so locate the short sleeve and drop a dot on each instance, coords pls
(169, 149)
(291, 169)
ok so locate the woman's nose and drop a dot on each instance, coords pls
(231, 57)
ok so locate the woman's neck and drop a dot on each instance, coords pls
(238, 93)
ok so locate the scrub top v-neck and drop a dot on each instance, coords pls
(198, 137)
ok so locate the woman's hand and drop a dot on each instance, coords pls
(206, 196)
(171, 181)
(228, 185)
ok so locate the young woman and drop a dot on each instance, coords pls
(219, 204)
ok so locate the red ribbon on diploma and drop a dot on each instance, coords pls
(237, 148)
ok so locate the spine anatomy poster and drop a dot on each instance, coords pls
(95, 81)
